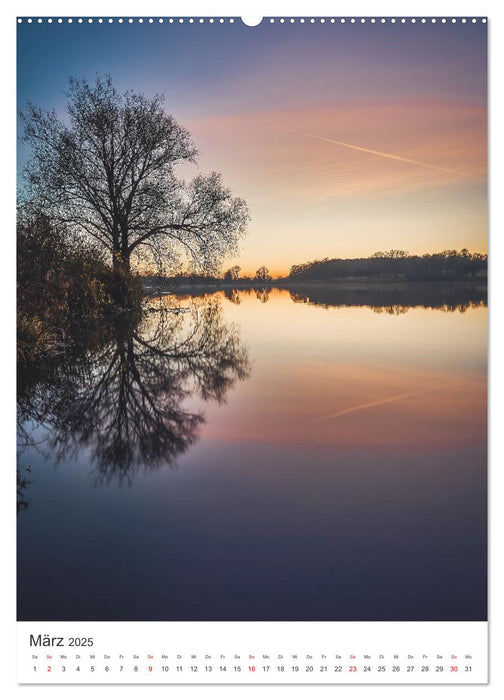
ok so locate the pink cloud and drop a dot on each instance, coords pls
(271, 151)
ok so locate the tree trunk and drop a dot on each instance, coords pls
(121, 291)
(121, 262)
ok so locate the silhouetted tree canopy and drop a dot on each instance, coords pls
(108, 172)
(262, 273)
(232, 273)
(445, 266)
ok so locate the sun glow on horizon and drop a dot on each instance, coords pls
(406, 171)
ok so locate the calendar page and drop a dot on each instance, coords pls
(252, 350)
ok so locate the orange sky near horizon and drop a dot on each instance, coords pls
(312, 198)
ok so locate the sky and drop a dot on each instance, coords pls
(344, 139)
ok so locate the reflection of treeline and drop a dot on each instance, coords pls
(394, 298)
(398, 310)
(62, 283)
(397, 264)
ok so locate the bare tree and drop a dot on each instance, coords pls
(108, 172)
(233, 273)
(262, 273)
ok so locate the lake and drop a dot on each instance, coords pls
(259, 455)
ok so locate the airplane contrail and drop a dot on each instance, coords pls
(390, 399)
(388, 155)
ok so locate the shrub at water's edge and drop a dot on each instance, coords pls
(62, 288)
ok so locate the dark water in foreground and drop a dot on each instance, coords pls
(242, 460)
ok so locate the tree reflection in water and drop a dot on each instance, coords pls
(123, 398)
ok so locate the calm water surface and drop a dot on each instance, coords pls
(243, 460)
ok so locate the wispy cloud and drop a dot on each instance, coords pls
(352, 202)
(381, 402)
(420, 145)
(387, 155)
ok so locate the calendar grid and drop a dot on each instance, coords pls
(253, 653)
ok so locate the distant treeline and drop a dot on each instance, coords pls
(164, 283)
(397, 264)
(392, 265)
